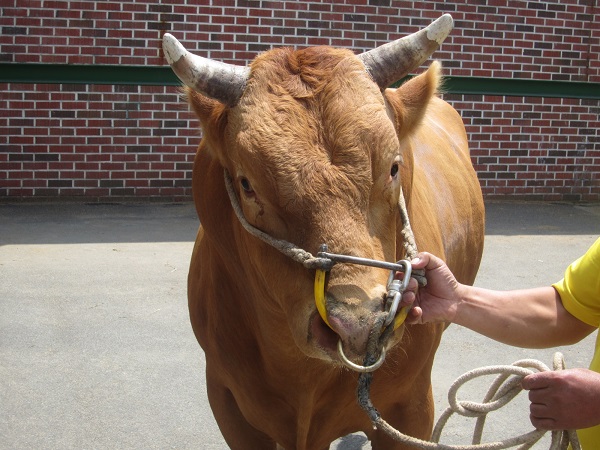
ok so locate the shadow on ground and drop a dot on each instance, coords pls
(96, 347)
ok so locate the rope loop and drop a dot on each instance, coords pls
(503, 389)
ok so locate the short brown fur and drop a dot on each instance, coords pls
(316, 140)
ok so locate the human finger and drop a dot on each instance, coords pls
(542, 423)
(542, 415)
(538, 380)
(420, 261)
(540, 411)
(413, 285)
(415, 316)
(538, 396)
(408, 298)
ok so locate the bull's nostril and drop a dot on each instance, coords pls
(324, 336)
(353, 331)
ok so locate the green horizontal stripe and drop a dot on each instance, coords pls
(163, 76)
(524, 88)
(519, 87)
(87, 74)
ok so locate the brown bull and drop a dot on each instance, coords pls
(319, 151)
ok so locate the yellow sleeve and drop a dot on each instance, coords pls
(579, 290)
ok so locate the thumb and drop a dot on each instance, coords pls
(534, 381)
(420, 261)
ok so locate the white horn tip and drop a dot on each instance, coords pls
(172, 48)
(440, 29)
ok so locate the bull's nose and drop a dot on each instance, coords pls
(354, 334)
(352, 312)
(354, 326)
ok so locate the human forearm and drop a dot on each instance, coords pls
(533, 318)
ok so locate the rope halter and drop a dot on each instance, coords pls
(324, 261)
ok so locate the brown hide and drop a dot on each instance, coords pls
(314, 139)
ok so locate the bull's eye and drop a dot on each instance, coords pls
(394, 170)
(246, 186)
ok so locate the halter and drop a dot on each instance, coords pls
(324, 261)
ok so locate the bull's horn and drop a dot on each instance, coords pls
(393, 61)
(221, 81)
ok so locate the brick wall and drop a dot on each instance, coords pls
(99, 141)
(105, 142)
(532, 148)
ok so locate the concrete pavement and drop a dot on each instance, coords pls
(96, 350)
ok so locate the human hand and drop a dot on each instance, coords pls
(438, 300)
(564, 400)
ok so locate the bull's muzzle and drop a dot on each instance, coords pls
(351, 328)
(395, 287)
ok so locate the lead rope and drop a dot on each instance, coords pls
(408, 238)
(287, 248)
(503, 389)
(379, 337)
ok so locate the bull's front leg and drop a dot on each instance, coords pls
(239, 434)
(413, 419)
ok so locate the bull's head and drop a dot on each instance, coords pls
(318, 150)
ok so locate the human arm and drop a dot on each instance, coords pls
(533, 318)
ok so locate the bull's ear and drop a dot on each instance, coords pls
(410, 100)
(211, 113)
(204, 107)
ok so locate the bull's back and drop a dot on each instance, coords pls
(446, 202)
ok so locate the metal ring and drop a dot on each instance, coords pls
(393, 308)
(359, 368)
(395, 290)
(407, 266)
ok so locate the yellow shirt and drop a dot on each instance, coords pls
(579, 291)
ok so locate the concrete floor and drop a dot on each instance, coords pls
(96, 350)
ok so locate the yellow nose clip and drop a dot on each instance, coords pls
(395, 289)
(320, 295)
(401, 316)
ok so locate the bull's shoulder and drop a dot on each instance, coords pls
(443, 128)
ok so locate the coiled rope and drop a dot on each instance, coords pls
(503, 389)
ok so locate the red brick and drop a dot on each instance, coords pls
(495, 134)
